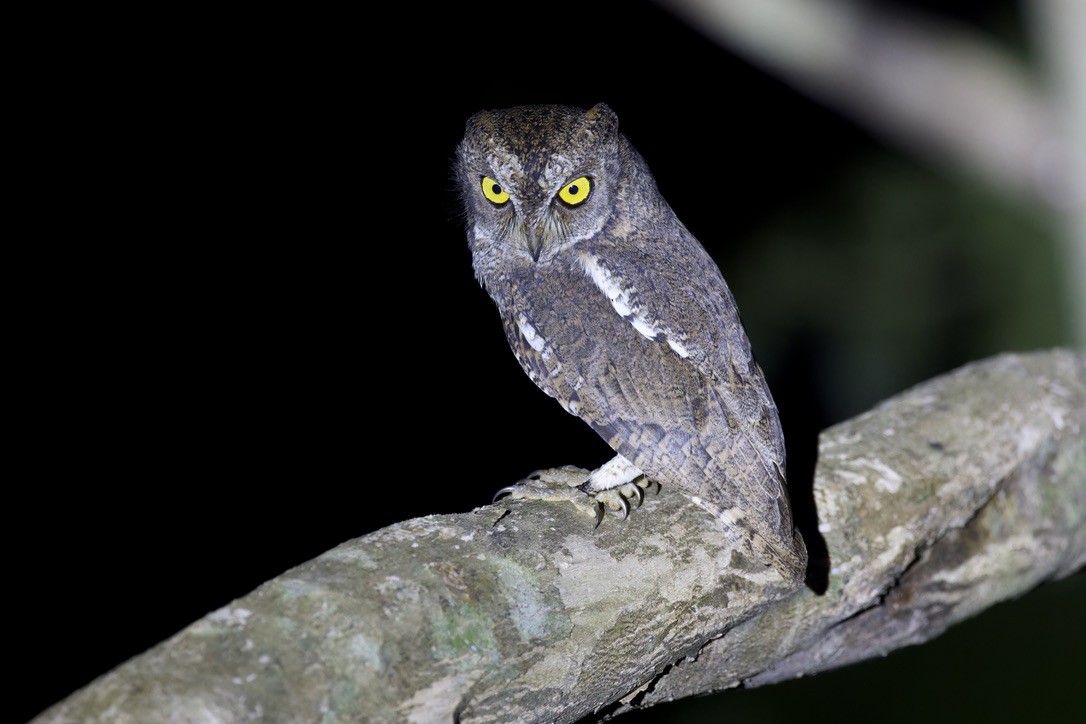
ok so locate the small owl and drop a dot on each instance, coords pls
(613, 308)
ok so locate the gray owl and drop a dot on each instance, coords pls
(613, 308)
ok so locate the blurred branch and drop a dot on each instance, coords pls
(936, 90)
(919, 82)
(961, 492)
(1060, 29)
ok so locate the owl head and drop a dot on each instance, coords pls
(537, 180)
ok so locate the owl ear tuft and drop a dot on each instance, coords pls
(601, 121)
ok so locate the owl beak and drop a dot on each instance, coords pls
(534, 239)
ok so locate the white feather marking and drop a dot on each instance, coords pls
(530, 335)
(620, 298)
(731, 516)
(644, 328)
(679, 349)
(603, 281)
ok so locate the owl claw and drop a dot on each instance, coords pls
(503, 492)
(625, 506)
(568, 484)
(599, 515)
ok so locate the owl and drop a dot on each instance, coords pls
(613, 308)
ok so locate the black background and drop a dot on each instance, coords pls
(272, 340)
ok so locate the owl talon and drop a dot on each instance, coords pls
(556, 484)
(502, 493)
(625, 506)
(599, 515)
(624, 497)
(574, 485)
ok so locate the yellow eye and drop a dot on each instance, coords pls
(494, 192)
(576, 191)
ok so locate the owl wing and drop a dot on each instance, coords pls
(682, 303)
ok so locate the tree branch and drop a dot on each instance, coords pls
(1059, 26)
(954, 495)
(921, 83)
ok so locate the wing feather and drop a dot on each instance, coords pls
(685, 303)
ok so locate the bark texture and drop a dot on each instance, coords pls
(958, 493)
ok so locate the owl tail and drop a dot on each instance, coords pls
(756, 539)
(789, 558)
(782, 542)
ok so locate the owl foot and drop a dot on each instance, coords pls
(619, 498)
(575, 485)
(556, 484)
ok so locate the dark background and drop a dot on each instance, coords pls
(268, 339)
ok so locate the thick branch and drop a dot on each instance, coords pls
(956, 494)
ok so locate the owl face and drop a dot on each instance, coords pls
(536, 180)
